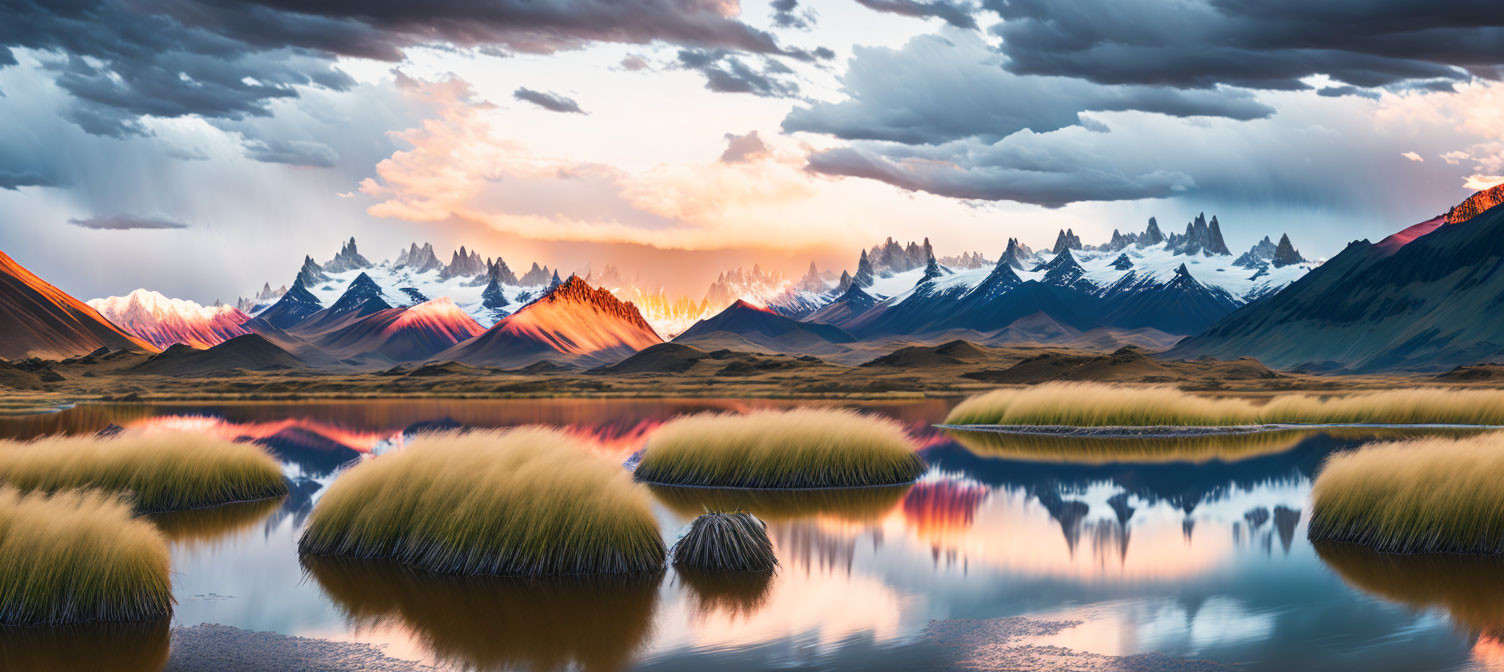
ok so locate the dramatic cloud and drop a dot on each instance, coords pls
(1270, 44)
(935, 90)
(786, 14)
(306, 153)
(123, 60)
(125, 222)
(727, 73)
(14, 179)
(547, 100)
(955, 14)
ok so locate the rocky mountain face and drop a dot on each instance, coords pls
(891, 257)
(1259, 254)
(1285, 253)
(40, 320)
(1476, 204)
(1425, 299)
(311, 273)
(348, 259)
(536, 276)
(463, 264)
(418, 259)
(1200, 237)
(1015, 254)
(1067, 240)
(965, 260)
(1151, 236)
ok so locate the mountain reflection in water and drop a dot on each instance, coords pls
(1192, 549)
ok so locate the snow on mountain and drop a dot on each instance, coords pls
(163, 321)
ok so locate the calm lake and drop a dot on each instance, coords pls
(1012, 557)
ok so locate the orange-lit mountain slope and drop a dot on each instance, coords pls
(571, 323)
(39, 320)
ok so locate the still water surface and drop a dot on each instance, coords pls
(1029, 556)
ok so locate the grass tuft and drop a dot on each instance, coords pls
(726, 542)
(1425, 496)
(160, 471)
(800, 448)
(529, 502)
(79, 557)
(1101, 405)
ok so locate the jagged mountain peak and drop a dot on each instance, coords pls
(348, 259)
(1475, 205)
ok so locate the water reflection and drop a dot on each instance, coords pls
(494, 623)
(1470, 589)
(1194, 551)
(206, 528)
(847, 504)
(115, 647)
(733, 595)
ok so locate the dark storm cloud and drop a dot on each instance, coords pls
(1269, 44)
(786, 14)
(306, 153)
(726, 72)
(955, 14)
(1339, 91)
(124, 222)
(227, 59)
(547, 100)
(1051, 184)
(935, 90)
(14, 179)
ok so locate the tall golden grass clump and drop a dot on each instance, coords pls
(800, 448)
(160, 471)
(528, 501)
(1100, 405)
(1424, 496)
(79, 557)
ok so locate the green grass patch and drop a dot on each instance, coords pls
(800, 448)
(529, 502)
(79, 557)
(159, 471)
(1101, 405)
(1424, 496)
(726, 542)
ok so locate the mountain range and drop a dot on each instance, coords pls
(1141, 288)
(1426, 298)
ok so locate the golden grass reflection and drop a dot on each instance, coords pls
(204, 528)
(857, 505)
(493, 623)
(141, 647)
(1470, 588)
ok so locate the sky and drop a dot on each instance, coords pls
(203, 147)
